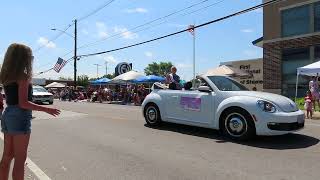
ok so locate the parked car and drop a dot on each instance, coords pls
(41, 95)
(219, 102)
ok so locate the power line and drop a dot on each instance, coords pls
(96, 10)
(79, 19)
(136, 27)
(42, 72)
(185, 14)
(52, 39)
(179, 32)
(198, 26)
(144, 24)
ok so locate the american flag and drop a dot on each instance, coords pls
(59, 65)
(191, 29)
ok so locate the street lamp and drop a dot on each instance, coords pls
(75, 58)
(64, 32)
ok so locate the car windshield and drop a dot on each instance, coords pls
(227, 84)
(39, 89)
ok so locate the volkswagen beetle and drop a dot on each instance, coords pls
(221, 103)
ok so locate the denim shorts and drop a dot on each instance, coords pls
(16, 120)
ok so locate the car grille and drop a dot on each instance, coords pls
(285, 126)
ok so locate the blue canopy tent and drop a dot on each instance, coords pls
(102, 81)
(149, 79)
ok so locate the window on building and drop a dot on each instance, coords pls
(291, 60)
(317, 53)
(296, 21)
(317, 17)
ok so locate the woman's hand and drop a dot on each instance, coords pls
(52, 111)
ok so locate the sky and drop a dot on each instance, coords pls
(30, 22)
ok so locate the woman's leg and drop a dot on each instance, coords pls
(7, 157)
(20, 147)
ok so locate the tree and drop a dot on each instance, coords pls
(83, 80)
(158, 69)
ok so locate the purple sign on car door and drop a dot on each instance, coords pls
(190, 103)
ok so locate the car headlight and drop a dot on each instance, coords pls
(266, 106)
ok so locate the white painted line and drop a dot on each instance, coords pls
(33, 167)
(312, 124)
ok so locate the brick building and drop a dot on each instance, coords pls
(291, 39)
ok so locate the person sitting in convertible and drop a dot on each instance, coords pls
(173, 79)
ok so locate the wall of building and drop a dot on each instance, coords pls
(254, 66)
(272, 18)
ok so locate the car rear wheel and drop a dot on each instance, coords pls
(152, 115)
(237, 124)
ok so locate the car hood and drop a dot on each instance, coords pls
(285, 104)
(42, 94)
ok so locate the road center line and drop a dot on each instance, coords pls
(33, 167)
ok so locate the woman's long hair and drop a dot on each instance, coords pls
(17, 64)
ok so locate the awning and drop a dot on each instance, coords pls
(310, 70)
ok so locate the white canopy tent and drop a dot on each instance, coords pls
(228, 71)
(308, 70)
(128, 76)
(55, 85)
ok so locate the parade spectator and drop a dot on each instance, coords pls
(16, 76)
(314, 89)
(308, 104)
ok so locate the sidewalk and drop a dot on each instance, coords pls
(315, 115)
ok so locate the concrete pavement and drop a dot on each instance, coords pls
(101, 141)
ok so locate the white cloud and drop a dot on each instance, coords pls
(42, 41)
(178, 25)
(260, 10)
(251, 53)
(136, 10)
(102, 30)
(148, 54)
(84, 31)
(111, 59)
(125, 33)
(102, 34)
(247, 30)
(184, 66)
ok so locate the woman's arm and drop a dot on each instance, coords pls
(26, 104)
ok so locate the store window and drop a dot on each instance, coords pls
(291, 60)
(296, 21)
(317, 53)
(317, 17)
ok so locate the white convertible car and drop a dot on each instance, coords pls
(219, 102)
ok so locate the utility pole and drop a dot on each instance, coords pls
(75, 54)
(106, 63)
(97, 69)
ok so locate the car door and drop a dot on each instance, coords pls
(172, 105)
(198, 107)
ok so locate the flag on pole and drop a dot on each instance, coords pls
(191, 29)
(59, 65)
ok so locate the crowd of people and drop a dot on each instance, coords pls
(125, 94)
(312, 97)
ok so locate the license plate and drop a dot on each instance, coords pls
(301, 119)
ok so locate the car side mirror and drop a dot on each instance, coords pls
(204, 89)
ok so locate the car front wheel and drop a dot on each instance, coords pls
(152, 115)
(238, 124)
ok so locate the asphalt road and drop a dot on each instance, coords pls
(100, 141)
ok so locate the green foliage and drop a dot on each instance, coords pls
(158, 69)
(300, 103)
(83, 80)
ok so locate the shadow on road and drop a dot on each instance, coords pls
(289, 141)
